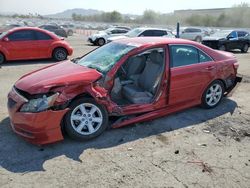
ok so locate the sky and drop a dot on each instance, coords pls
(44, 7)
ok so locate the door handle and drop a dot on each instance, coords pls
(210, 67)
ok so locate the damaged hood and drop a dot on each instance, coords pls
(60, 74)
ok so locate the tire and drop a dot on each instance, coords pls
(79, 120)
(198, 39)
(2, 58)
(100, 41)
(245, 48)
(213, 94)
(222, 48)
(60, 54)
(70, 33)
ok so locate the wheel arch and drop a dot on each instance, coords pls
(1, 52)
(57, 47)
(86, 95)
(216, 79)
(101, 38)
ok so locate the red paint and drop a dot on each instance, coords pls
(31, 49)
(180, 88)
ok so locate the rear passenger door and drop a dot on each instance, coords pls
(233, 40)
(242, 39)
(190, 73)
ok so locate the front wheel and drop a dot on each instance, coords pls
(222, 48)
(86, 119)
(213, 94)
(101, 42)
(2, 59)
(198, 39)
(60, 54)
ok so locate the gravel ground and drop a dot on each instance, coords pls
(193, 148)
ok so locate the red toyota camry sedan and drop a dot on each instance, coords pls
(26, 43)
(121, 83)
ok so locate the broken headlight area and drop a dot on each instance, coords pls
(42, 103)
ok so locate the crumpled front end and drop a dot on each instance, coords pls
(38, 128)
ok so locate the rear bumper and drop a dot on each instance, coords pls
(237, 80)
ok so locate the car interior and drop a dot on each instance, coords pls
(138, 79)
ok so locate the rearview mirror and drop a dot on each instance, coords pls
(6, 39)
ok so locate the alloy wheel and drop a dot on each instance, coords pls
(86, 119)
(214, 94)
(60, 55)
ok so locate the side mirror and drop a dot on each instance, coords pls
(6, 39)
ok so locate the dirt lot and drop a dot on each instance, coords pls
(193, 148)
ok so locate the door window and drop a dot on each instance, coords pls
(204, 57)
(42, 36)
(160, 33)
(182, 55)
(192, 30)
(147, 33)
(24, 35)
(233, 35)
(242, 34)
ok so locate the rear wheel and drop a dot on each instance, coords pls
(213, 94)
(101, 41)
(245, 48)
(60, 54)
(86, 119)
(2, 59)
(70, 33)
(198, 39)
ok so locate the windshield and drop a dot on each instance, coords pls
(3, 34)
(134, 32)
(108, 30)
(222, 34)
(104, 58)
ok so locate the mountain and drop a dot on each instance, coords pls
(68, 13)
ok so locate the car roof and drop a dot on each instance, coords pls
(145, 41)
(34, 29)
(151, 28)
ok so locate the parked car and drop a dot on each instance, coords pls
(121, 83)
(144, 32)
(69, 29)
(101, 37)
(123, 27)
(195, 34)
(32, 43)
(55, 29)
(229, 40)
(7, 27)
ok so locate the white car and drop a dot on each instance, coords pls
(101, 37)
(195, 34)
(144, 32)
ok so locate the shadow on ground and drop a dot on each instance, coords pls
(17, 156)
